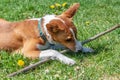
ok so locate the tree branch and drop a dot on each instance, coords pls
(101, 34)
(28, 67)
(64, 51)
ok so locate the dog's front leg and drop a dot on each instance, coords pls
(55, 55)
(79, 47)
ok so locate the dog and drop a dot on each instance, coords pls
(41, 37)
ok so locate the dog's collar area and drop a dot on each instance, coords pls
(52, 46)
(40, 29)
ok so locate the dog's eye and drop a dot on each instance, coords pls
(68, 39)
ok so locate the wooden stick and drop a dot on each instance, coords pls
(28, 67)
(64, 51)
(101, 34)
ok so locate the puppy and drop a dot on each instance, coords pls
(40, 37)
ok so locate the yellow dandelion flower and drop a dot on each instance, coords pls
(52, 6)
(20, 62)
(57, 5)
(64, 4)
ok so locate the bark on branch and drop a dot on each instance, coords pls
(101, 34)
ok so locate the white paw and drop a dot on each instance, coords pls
(69, 61)
(55, 55)
(84, 49)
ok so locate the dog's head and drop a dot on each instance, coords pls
(60, 28)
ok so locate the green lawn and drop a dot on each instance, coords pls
(93, 16)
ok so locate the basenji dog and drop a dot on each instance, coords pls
(40, 37)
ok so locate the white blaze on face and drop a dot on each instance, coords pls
(78, 45)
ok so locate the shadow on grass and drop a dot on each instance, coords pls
(99, 49)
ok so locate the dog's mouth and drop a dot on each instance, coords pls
(75, 48)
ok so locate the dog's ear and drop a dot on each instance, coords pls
(71, 11)
(53, 28)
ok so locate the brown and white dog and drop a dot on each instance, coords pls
(37, 38)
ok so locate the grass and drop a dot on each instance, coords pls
(93, 16)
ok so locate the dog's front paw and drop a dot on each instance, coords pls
(85, 50)
(69, 61)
